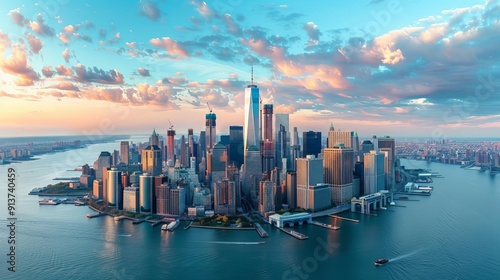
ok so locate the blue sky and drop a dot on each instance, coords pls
(426, 68)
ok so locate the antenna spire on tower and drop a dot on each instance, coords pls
(251, 83)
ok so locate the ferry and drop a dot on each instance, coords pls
(172, 225)
(54, 201)
(381, 262)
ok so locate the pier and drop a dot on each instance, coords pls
(90, 216)
(294, 233)
(345, 219)
(319, 224)
(262, 233)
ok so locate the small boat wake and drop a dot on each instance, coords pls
(124, 235)
(236, 243)
(404, 256)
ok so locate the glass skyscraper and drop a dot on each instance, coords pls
(251, 126)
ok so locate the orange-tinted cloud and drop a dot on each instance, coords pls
(171, 46)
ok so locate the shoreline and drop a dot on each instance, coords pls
(211, 227)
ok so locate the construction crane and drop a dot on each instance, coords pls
(209, 108)
(171, 125)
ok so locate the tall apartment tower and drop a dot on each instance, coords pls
(374, 172)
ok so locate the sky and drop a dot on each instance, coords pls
(380, 67)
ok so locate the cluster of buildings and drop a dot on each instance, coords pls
(484, 153)
(23, 151)
(261, 165)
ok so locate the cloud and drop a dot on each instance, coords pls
(64, 71)
(312, 31)
(40, 27)
(204, 10)
(171, 46)
(47, 71)
(231, 26)
(149, 10)
(65, 86)
(97, 75)
(65, 39)
(115, 39)
(17, 65)
(65, 55)
(34, 42)
(17, 17)
(143, 72)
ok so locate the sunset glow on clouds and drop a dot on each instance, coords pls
(378, 67)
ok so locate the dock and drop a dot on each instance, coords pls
(188, 226)
(319, 224)
(90, 216)
(345, 219)
(294, 233)
(119, 218)
(262, 233)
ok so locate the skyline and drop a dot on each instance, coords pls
(379, 67)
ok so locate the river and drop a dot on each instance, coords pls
(452, 234)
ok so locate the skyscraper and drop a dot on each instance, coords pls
(338, 172)
(124, 152)
(309, 174)
(336, 137)
(151, 160)
(251, 125)
(114, 190)
(267, 140)
(146, 192)
(154, 139)
(210, 126)
(236, 145)
(171, 145)
(374, 172)
(184, 152)
(311, 143)
(103, 161)
(266, 196)
(224, 197)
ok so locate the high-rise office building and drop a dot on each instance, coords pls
(191, 152)
(103, 161)
(309, 173)
(374, 172)
(171, 145)
(236, 145)
(124, 152)
(184, 152)
(311, 143)
(281, 148)
(154, 139)
(251, 135)
(146, 193)
(291, 189)
(170, 201)
(338, 172)
(114, 190)
(266, 197)
(210, 128)
(151, 160)
(131, 199)
(284, 120)
(267, 148)
(225, 197)
(336, 137)
(216, 168)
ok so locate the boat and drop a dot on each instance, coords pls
(164, 227)
(381, 262)
(262, 242)
(54, 201)
(172, 225)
